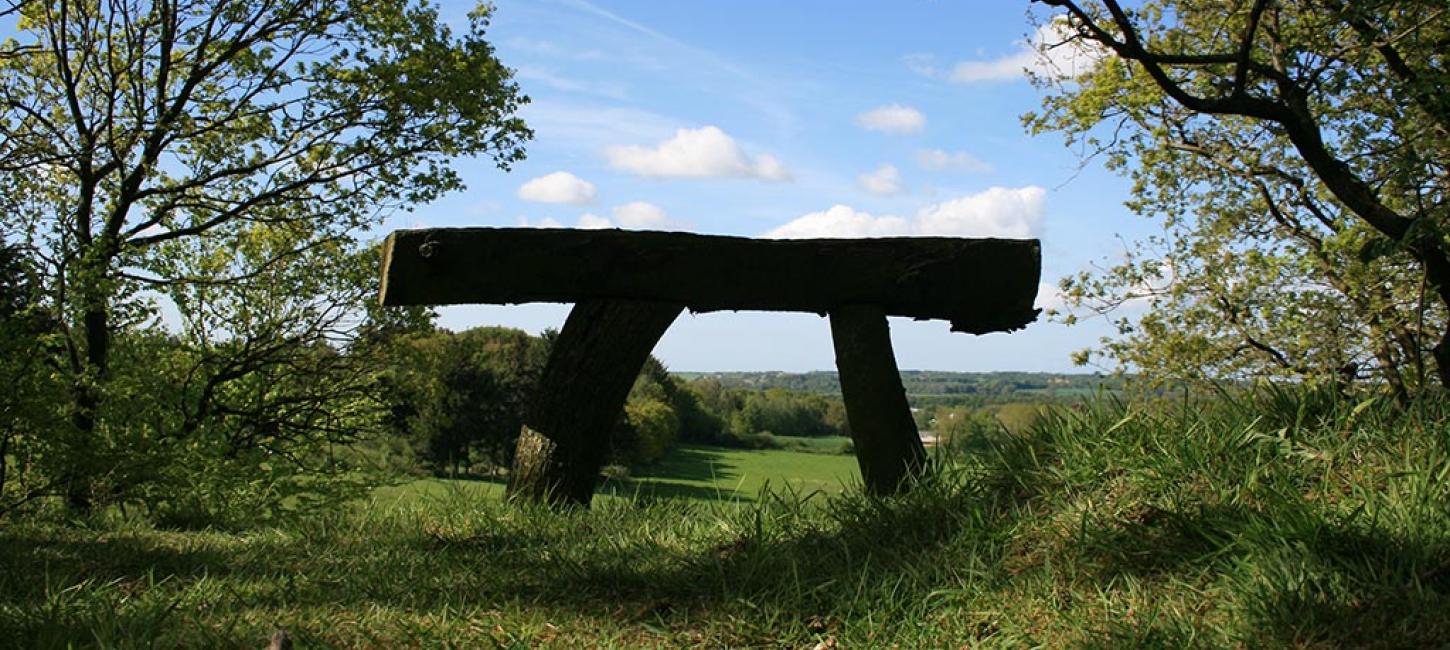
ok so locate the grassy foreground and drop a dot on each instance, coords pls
(1280, 520)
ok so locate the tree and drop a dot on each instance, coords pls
(714, 404)
(460, 396)
(646, 433)
(148, 133)
(782, 412)
(25, 410)
(660, 411)
(696, 422)
(966, 430)
(1296, 151)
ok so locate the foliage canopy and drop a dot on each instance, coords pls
(223, 157)
(1295, 152)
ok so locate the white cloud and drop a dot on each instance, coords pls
(884, 180)
(1005, 68)
(1051, 51)
(639, 214)
(1012, 213)
(636, 214)
(700, 68)
(558, 187)
(895, 118)
(769, 168)
(841, 221)
(546, 222)
(997, 212)
(702, 152)
(591, 221)
(937, 159)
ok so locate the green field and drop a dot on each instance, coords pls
(692, 472)
(739, 474)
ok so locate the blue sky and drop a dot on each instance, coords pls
(790, 119)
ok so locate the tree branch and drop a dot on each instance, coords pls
(1246, 47)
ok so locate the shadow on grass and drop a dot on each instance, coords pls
(786, 568)
(1295, 573)
(1298, 577)
(687, 472)
(701, 464)
(1298, 573)
(647, 490)
(32, 561)
(1348, 589)
(791, 570)
(470, 477)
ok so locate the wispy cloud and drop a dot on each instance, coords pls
(937, 160)
(744, 85)
(550, 49)
(884, 180)
(894, 118)
(712, 58)
(1052, 50)
(551, 78)
(588, 125)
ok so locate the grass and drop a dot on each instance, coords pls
(1277, 520)
(689, 472)
(817, 444)
(739, 474)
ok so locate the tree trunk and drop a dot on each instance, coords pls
(1437, 272)
(95, 324)
(1441, 353)
(581, 394)
(1390, 368)
(5, 436)
(888, 446)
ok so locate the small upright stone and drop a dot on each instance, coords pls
(280, 641)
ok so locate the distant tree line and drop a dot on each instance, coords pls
(752, 417)
(926, 388)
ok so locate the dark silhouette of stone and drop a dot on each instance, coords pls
(590, 370)
(280, 641)
(629, 286)
(888, 447)
(979, 285)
